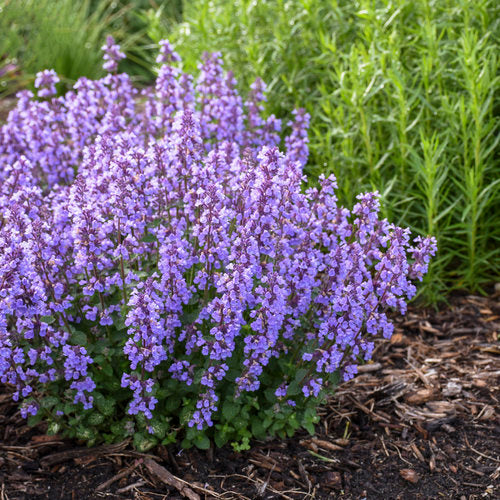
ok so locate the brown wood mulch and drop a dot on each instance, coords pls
(419, 422)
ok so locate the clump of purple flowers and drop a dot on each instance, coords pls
(168, 223)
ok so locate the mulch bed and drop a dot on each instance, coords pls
(421, 421)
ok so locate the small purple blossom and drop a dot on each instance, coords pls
(45, 82)
(281, 391)
(312, 387)
(112, 55)
(167, 53)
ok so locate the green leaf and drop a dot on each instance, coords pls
(243, 445)
(334, 378)
(68, 408)
(185, 415)
(267, 421)
(102, 346)
(159, 428)
(301, 373)
(149, 238)
(292, 425)
(53, 428)
(258, 429)
(271, 396)
(85, 433)
(99, 359)
(106, 406)
(35, 419)
(190, 316)
(96, 419)
(120, 325)
(202, 442)
(171, 403)
(78, 338)
(230, 410)
(48, 402)
(294, 389)
(309, 427)
(221, 439)
(118, 429)
(254, 403)
(276, 426)
(107, 369)
(98, 397)
(170, 439)
(47, 319)
(118, 336)
(143, 443)
(186, 444)
(239, 423)
(191, 433)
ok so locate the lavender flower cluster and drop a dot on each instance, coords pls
(135, 208)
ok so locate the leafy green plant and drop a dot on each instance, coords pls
(164, 275)
(403, 97)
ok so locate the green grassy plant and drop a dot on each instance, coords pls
(60, 34)
(404, 97)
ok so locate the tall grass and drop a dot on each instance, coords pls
(404, 97)
(61, 34)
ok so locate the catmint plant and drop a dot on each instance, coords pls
(165, 275)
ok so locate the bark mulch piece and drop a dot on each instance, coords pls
(421, 421)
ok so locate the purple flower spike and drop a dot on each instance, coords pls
(45, 82)
(112, 55)
(167, 53)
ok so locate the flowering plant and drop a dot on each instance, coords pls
(162, 272)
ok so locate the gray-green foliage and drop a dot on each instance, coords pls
(404, 97)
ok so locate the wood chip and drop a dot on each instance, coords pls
(118, 476)
(265, 462)
(417, 452)
(432, 463)
(333, 480)
(426, 327)
(326, 445)
(409, 475)
(441, 407)
(397, 338)
(168, 478)
(304, 474)
(370, 367)
(341, 441)
(420, 397)
(452, 389)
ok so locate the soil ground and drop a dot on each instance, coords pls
(421, 421)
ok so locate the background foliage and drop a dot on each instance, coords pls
(67, 36)
(403, 97)
(403, 94)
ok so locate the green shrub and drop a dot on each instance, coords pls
(403, 97)
(164, 276)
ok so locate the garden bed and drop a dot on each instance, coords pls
(421, 421)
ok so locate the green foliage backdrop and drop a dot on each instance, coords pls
(404, 97)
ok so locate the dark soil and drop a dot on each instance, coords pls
(419, 422)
